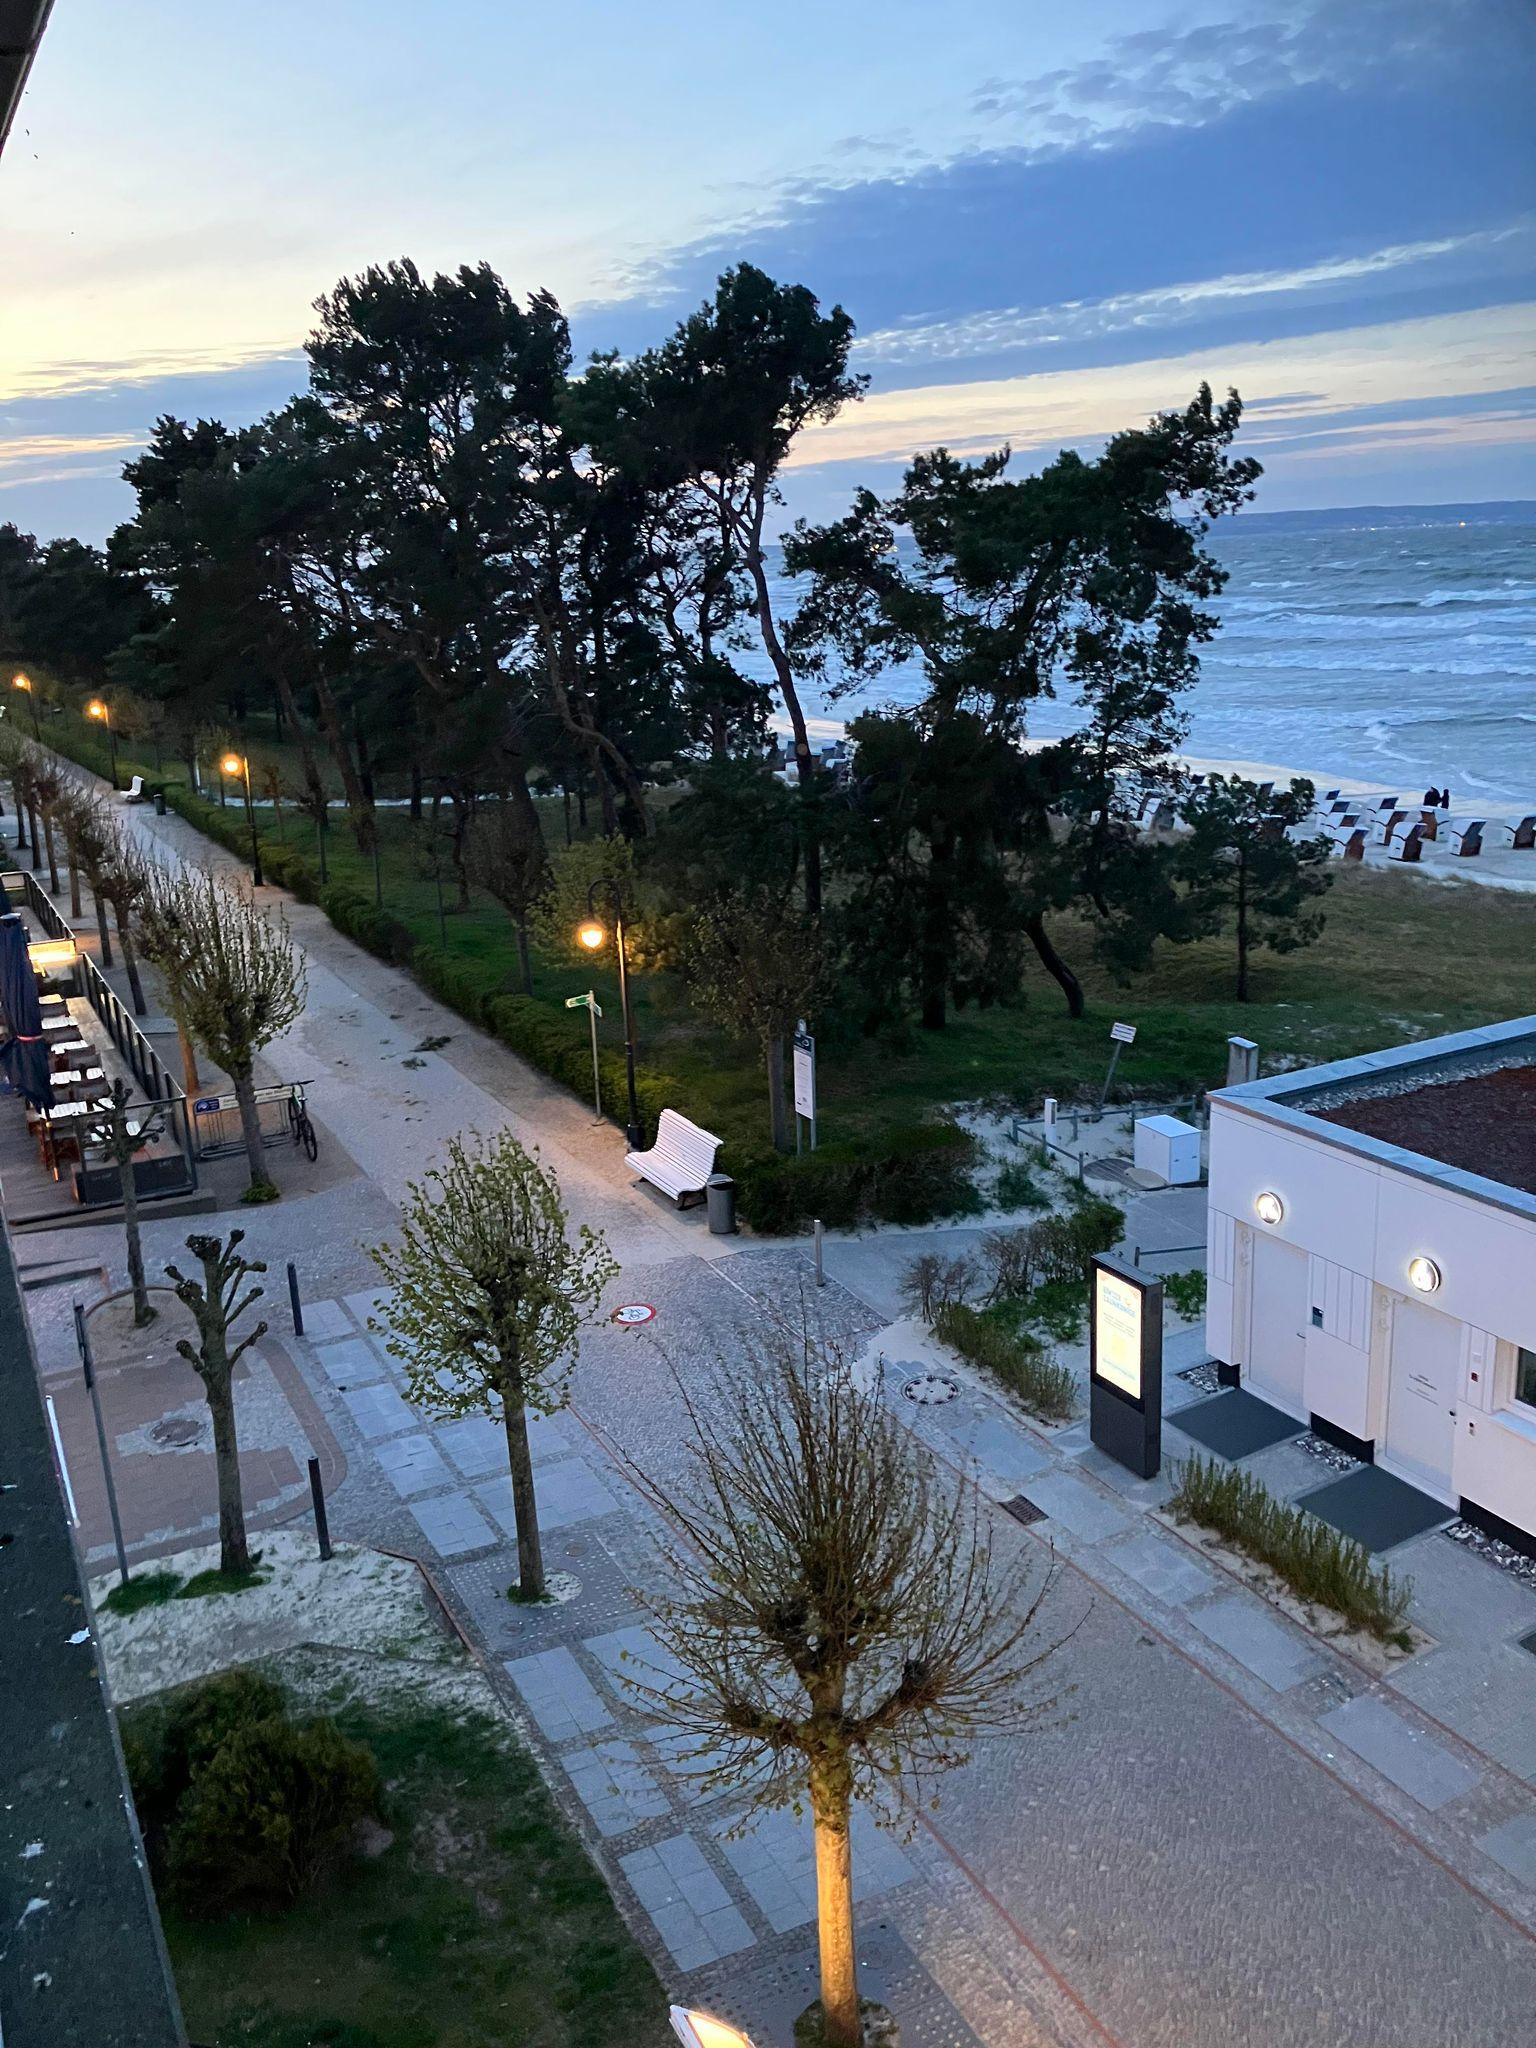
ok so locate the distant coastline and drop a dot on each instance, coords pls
(1369, 518)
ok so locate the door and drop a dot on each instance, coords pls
(1277, 1328)
(1421, 1393)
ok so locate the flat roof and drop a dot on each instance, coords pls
(21, 30)
(1459, 1110)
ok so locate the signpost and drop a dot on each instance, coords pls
(1125, 1367)
(805, 1083)
(590, 1004)
(1119, 1034)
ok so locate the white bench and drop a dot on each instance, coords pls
(680, 1161)
(134, 793)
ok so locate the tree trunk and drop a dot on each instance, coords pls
(458, 834)
(1054, 965)
(191, 1078)
(525, 1507)
(101, 929)
(524, 958)
(130, 962)
(37, 850)
(21, 823)
(784, 675)
(565, 795)
(234, 1552)
(142, 1312)
(415, 792)
(933, 963)
(1242, 933)
(250, 1124)
(834, 1917)
(53, 860)
(74, 888)
(778, 1104)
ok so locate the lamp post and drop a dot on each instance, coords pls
(21, 682)
(240, 764)
(98, 709)
(593, 935)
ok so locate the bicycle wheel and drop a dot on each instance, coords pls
(307, 1137)
(294, 1113)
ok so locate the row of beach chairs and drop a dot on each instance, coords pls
(1353, 823)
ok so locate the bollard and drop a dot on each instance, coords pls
(821, 1278)
(293, 1299)
(317, 1495)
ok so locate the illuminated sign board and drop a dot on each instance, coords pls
(1117, 1323)
(1125, 1378)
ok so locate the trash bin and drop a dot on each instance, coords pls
(159, 803)
(720, 1193)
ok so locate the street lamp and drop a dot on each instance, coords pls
(702, 2030)
(240, 764)
(20, 682)
(592, 935)
(97, 709)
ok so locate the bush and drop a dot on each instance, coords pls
(1058, 1308)
(203, 1719)
(1186, 1292)
(1015, 1358)
(270, 1812)
(931, 1283)
(373, 929)
(1315, 1561)
(913, 1173)
(1017, 1188)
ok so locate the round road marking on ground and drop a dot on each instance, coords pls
(634, 1312)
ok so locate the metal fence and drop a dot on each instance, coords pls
(138, 1054)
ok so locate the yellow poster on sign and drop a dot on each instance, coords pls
(1117, 1332)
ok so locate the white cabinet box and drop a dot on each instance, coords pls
(1168, 1148)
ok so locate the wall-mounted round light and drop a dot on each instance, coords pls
(1268, 1207)
(1424, 1274)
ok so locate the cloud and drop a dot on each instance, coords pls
(46, 377)
(50, 458)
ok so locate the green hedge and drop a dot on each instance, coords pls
(912, 1173)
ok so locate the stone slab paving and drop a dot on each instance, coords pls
(615, 1785)
(776, 1860)
(413, 1464)
(452, 1525)
(476, 1444)
(1425, 1769)
(557, 1693)
(1513, 1845)
(351, 1362)
(689, 1906)
(1077, 1507)
(1269, 1650)
(378, 1411)
(1166, 1569)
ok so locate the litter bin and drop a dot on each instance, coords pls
(720, 1194)
(159, 803)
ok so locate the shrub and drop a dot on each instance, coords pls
(374, 929)
(270, 1812)
(1017, 1188)
(1186, 1291)
(1058, 1308)
(202, 1719)
(1016, 1358)
(1315, 1561)
(930, 1283)
(913, 1173)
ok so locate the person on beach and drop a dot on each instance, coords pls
(1431, 798)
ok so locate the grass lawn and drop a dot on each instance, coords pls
(1401, 957)
(483, 1925)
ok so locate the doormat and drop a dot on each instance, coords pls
(1234, 1424)
(1376, 1509)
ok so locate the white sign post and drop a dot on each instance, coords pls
(1119, 1034)
(590, 1004)
(805, 1083)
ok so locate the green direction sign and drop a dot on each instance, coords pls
(587, 1002)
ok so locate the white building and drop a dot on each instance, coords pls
(1372, 1261)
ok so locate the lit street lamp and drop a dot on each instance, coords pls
(20, 682)
(240, 764)
(98, 709)
(700, 2030)
(592, 935)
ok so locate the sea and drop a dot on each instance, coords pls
(1386, 644)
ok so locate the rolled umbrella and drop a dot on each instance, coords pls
(24, 1055)
(5, 902)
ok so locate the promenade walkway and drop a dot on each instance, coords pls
(1224, 1834)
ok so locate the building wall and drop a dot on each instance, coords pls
(1360, 1222)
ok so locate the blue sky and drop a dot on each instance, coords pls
(1046, 221)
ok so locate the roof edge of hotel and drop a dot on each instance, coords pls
(1265, 1100)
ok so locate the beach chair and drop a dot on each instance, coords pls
(1408, 842)
(1466, 837)
(1431, 824)
(1387, 824)
(1351, 845)
(1519, 833)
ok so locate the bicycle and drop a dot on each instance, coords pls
(299, 1123)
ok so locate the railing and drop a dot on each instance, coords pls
(135, 1049)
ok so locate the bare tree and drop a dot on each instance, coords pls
(490, 1295)
(168, 939)
(217, 1305)
(510, 864)
(123, 1138)
(93, 842)
(125, 881)
(841, 1629)
(50, 786)
(243, 983)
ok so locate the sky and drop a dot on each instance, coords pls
(1047, 221)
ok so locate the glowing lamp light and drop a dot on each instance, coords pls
(95, 709)
(21, 682)
(232, 764)
(591, 935)
(48, 954)
(699, 2030)
(1268, 1207)
(1424, 1274)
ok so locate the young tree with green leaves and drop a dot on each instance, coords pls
(217, 1305)
(490, 1292)
(513, 868)
(755, 965)
(841, 1630)
(242, 983)
(1241, 863)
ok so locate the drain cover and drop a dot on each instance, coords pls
(931, 1389)
(176, 1432)
(1023, 1510)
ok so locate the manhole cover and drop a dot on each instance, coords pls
(176, 1432)
(931, 1389)
(1023, 1510)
